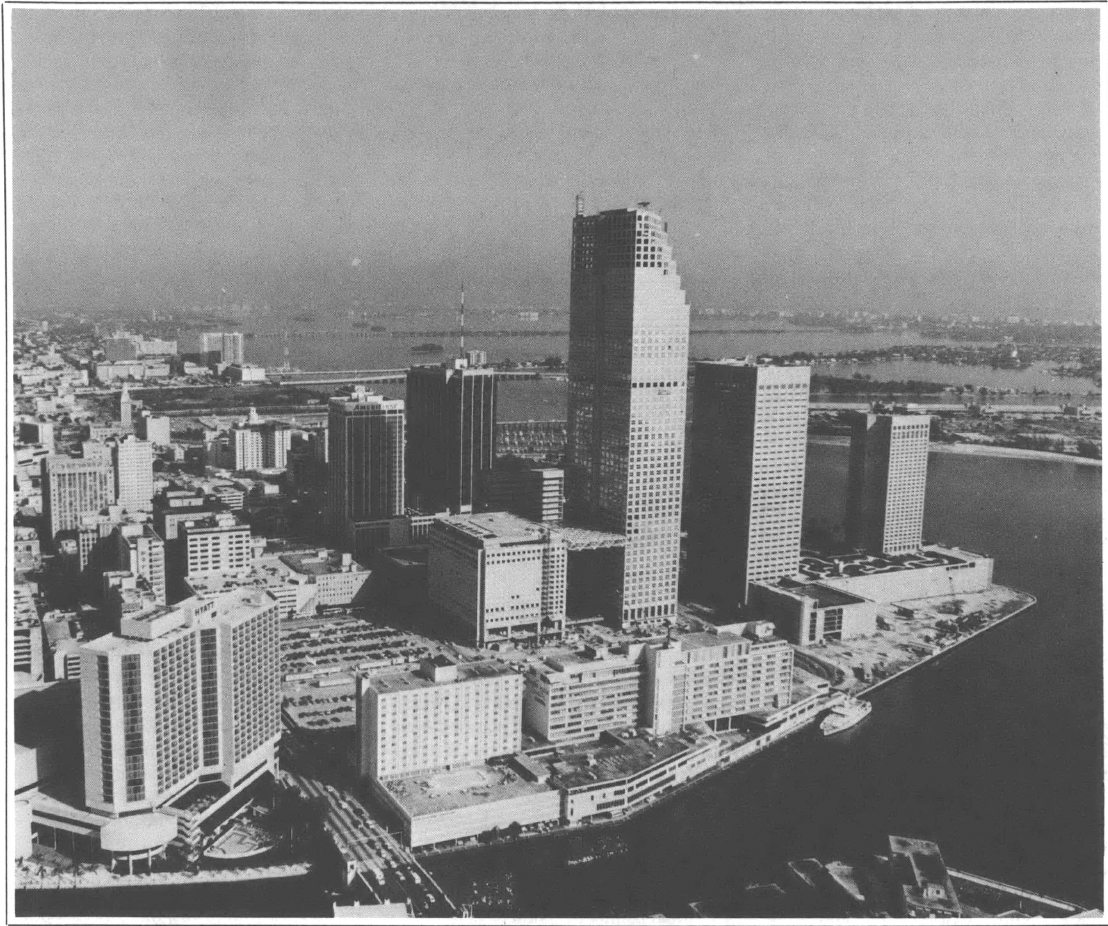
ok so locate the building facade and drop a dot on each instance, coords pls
(181, 695)
(536, 493)
(140, 551)
(501, 577)
(73, 487)
(887, 481)
(444, 716)
(747, 453)
(365, 460)
(579, 697)
(628, 370)
(716, 677)
(217, 543)
(451, 435)
(133, 463)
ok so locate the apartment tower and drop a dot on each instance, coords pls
(365, 436)
(746, 475)
(628, 368)
(887, 481)
(133, 463)
(451, 434)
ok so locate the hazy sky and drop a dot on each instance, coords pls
(924, 161)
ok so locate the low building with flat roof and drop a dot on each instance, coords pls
(929, 572)
(465, 802)
(810, 613)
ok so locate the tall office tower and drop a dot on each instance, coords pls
(451, 428)
(126, 407)
(74, 487)
(628, 369)
(141, 552)
(133, 462)
(746, 475)
(445, 715)
(366, 460)
(887, 481)
(180, 695)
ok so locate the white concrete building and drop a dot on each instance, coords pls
(133, 463)
(502, 577)
(74, 487)
(181, 694)
(216, 543)
(716, 677)
(580, 695)
(444, 716)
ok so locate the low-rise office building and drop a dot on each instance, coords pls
(810, 613)
(499, 576)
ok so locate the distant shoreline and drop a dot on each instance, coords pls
(980, 450)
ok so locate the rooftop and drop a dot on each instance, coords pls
(320, 562)
(851, 565)
(614, 757)
(410, 680)
(495, 525)
(470, 786)
(826, 597)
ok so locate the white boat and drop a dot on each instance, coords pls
(844, 716)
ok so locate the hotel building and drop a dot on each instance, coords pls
(628, 369)
(451, 434)
(499, 576)
(446, 715)
(579, 696)
(716, 677)
(746, 475)
(180, 696)
(887, 481)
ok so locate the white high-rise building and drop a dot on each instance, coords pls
(628, 369)
(887, 481)
(446, 715)
(181, 694)
(747, 453)
(133, 462)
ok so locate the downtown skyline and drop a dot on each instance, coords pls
(923, 161)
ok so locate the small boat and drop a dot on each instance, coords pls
(845, 716)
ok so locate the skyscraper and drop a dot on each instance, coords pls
(887, 481)
(746, 475)
(126, 407)
(451, 432)
(628, 369)
(180, 694)
(74, 487)
(365, 460)
(133, 463)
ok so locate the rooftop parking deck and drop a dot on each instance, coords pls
(471, 786)
(614, 757)
(814, 566)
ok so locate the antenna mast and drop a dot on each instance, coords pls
(462, 323)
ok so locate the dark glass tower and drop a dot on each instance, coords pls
(451, 435)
